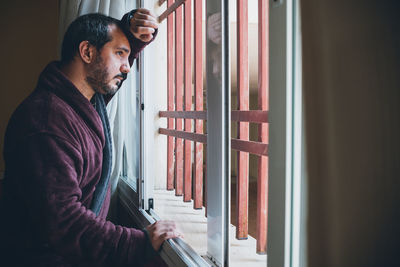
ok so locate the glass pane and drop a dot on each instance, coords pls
(218, 134)
(132, 128)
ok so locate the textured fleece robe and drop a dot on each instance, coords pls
(53, 155)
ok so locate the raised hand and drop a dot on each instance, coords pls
(143, 24)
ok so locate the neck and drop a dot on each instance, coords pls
(76, 73)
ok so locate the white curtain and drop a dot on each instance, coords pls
(122, 109)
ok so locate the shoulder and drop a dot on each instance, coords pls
(43, 111)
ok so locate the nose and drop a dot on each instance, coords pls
(125, 68)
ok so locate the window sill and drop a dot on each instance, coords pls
(175, 252)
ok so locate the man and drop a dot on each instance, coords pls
(57, 152)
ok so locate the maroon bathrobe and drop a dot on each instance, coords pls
(53, 155)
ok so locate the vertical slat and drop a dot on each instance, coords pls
(198, 76)
(188, 100)
(179, 100)
(243, 127)
(263, 91)
(205, 188)
(170, 82)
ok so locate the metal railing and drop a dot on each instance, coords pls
(180, 114)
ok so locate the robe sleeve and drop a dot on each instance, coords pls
(136, 44)
(52, 169)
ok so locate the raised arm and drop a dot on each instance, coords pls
(140, 26)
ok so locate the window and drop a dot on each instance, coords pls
(131, 144)
(182, 153)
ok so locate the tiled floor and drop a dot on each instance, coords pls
(193, 224)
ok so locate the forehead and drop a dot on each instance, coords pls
(118, 38)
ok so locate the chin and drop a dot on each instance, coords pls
(113, 90)
(106, 90)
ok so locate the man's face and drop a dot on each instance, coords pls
(110, 67)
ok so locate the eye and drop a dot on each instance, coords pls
(120, 53)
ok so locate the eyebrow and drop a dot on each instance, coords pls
(124, 49)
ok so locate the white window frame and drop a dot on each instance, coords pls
(285, 198)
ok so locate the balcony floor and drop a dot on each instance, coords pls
(193, 224)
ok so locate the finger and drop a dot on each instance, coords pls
(139, 15)
(146, 11)
(172, 234)
(146, 37)
(143, 30)
(164, 225)
(167, 225)
(169, 235)
(167, 222)
(147, 23)
(161, 229)
(177, 233)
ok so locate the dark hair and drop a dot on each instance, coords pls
(90, 27)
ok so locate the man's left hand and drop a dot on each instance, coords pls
(143, 24)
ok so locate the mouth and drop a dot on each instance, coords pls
(120, 79)
(121, 76)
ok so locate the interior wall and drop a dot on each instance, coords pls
(29, 41)
(351, 83)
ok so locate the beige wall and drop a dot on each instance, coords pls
(351, 81)
(28, 43)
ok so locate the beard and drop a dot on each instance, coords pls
(97, 78)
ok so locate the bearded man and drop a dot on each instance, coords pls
(57, 152)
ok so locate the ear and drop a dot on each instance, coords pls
(86, 52)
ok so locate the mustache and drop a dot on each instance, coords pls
(122, 75)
